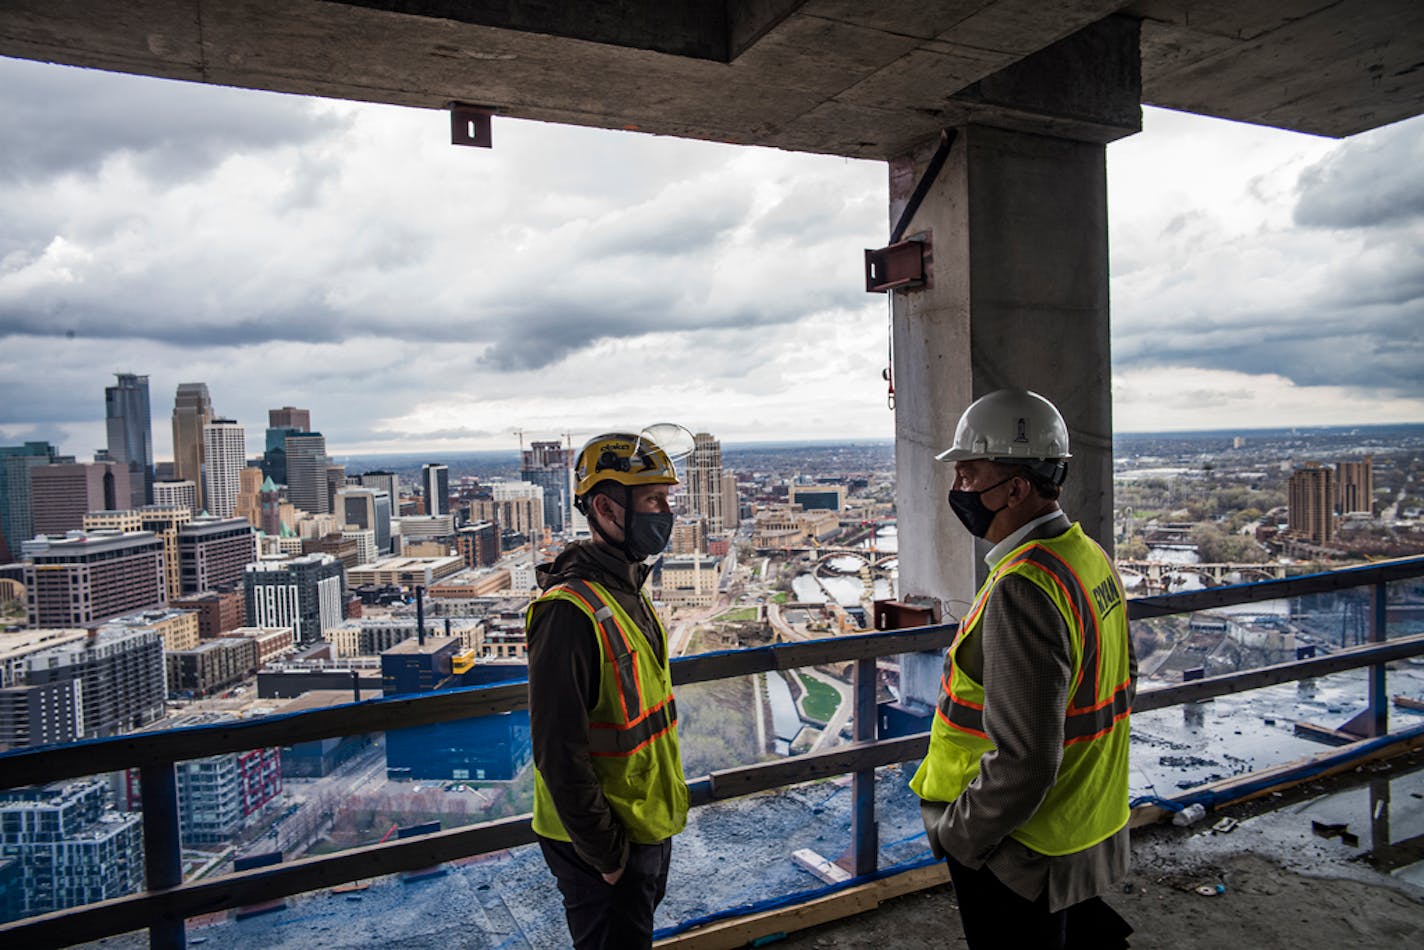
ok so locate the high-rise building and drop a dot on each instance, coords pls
(71, 848)
(169, 494)
(178, 629)
(704, 482)
(165, 521)
(274, 458)
(213, 553)
(80, 580)
(218, 795)
(1355, 486)
(1311, 500)
(130, 430)
(192, 411)
(224, 458)
(689, 536)
(289, 417)
(210, 666)
(335, 481)
(275, 512)
(365, 541)
(435, 486)
(120, 675)
(249, 496)
(218, 611)
(514, 506)
(17, 523)
(306, 473)
(731, 502)
(478, 543)
(62, 494)
(366, 507)
(389, 482)
(548, 465)
(305, 593)
(40, 714)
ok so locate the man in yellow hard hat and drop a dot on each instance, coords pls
(609, 792)
(1024, 787)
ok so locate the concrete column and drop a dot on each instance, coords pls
(1016, 224)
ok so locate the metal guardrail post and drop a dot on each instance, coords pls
(1379, 695)
(865, 839)
(162, 848)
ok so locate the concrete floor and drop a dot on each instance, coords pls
(1292, 877)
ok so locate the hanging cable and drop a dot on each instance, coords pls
(888, 374)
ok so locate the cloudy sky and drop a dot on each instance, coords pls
(422, 297)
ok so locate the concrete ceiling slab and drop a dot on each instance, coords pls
(839, 76)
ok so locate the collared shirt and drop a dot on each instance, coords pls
(1001, 550)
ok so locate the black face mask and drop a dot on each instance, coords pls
(971, 510)
(646, 533)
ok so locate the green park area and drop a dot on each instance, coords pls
(820, 701)
(738, 615)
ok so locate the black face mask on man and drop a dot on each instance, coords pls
(645, 533)
(969, 507)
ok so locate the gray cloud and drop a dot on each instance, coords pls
(1372, 180)
(61, 120)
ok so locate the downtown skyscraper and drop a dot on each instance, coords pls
(282, 423)
(548, 464)
(705, 497)
(130, 430)
(306, 472)
(225, 456)
(435, 484)
(192, 411)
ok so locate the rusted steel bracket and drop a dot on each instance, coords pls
(901, 264)
(470, 125)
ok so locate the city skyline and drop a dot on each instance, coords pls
(260, 244)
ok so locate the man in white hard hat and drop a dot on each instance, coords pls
(1024, 787)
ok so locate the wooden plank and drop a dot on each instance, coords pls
(729, 934)
(814, 862)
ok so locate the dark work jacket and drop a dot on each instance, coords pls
(564, 680)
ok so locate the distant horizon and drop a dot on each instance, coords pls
(853, 441)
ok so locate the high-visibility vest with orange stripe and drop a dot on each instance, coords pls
(632, 729)
(1088, 801)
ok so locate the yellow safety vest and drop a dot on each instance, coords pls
(632, 730)
(1088, 801)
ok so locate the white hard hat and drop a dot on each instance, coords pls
(1009, 425)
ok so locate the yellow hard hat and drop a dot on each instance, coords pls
(624, 458)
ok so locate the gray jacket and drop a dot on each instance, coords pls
(1021, 651)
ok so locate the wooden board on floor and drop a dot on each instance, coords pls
(729, 934)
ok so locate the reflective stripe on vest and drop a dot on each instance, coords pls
(632, 727)
(638, 727)
(1087, 717)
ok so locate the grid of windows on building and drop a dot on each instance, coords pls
(69, 846)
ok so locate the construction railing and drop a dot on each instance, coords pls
(168, 902)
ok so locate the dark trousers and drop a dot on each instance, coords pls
(605, 916)
(996, 917)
